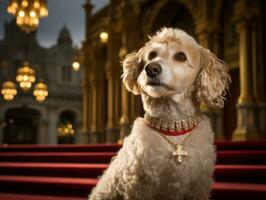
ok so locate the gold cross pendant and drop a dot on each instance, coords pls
(179, 153)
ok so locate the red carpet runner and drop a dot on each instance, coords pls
(51, 172)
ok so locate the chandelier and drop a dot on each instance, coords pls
(65, 129)
(40, 92)
(28, 12)
(25, 76)
(9, 90)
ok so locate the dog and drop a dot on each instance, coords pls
(169, 154)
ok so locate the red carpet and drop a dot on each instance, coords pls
(57, 172)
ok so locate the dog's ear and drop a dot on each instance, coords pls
(213, 80)
(131, 70)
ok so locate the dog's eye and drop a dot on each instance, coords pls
(152, 55)
(180, 56)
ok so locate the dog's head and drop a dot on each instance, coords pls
(173, 64)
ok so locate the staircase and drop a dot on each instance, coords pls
(69, 172)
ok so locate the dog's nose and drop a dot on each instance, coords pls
(153, 70)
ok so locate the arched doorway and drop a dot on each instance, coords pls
(67, 127)
(174, 14)
(21, 126)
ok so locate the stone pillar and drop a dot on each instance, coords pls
(208, 36)
(97, 130)
(52, 126)
(43, 136)
(113, 111)
(86, 87)
(258, 34)
(86, 111)
(88, 13)
(87, 90)
(124, 120)
(101, 111)
(113, 74)
(125, 101)
(93, 127)
(80, 136)
(98, 107)
(247, 121)
(130, 41)
(262, 117)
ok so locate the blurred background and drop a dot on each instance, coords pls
(60, 83)
(48, 46)
(60, 65)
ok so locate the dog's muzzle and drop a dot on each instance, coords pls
(153, 70)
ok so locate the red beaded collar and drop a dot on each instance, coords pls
(173, 128)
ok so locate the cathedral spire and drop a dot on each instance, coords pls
(64, 37)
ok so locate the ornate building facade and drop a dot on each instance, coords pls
(24, 120)
(233, 30)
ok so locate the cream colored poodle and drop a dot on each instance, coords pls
(169, 154)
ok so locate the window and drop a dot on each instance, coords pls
(66, 73)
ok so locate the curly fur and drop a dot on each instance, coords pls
(144, 169)
(130, 75)
(213, 81)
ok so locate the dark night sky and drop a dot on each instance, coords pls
(61, 12)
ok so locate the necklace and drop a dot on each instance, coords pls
(173, 127)
(178, 152)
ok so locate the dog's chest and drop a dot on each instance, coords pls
(174, 175)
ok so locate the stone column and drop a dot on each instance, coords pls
(97, 128)
(87, 91)
(262, 117)
(101, 111)
(43, 136)
(93, 127)
(114, 94)
(52, 126)
(124, 120)
(130, 41)
(113, 74)
(125, 101)
(86, 111)
(81, 137)
(86, 87)
(88, 13)
(258, 37)
(208, 36)
(247, 121)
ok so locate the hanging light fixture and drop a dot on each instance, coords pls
(40, 92)
(9, 90)
(25, 76)
(28, 12)
(65, 129)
